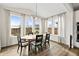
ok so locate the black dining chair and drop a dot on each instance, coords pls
(21, 43)
(47, 40)
(38, 42)
(30, 33)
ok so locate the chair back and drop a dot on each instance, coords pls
(31, 33)
(39, 39)
(47, 37)
(19, 40)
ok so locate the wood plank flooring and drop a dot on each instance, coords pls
(54, 50)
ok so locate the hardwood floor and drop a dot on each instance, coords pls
(54, 50)
(75, 50)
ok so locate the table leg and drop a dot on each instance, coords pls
(28, 47)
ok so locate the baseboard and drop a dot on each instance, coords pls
(8, 46)
(60, 43)
(0, 50)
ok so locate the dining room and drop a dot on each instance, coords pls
(35, 29)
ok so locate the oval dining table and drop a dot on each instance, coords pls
(29, 39)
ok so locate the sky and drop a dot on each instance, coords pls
(29, 22)
(15, 20)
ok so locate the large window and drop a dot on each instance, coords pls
(37, 24)
(15, 21)
(29, 24)
(55, 25)
(32, 24)
(62, 30)
(21, 25)
(50, 22)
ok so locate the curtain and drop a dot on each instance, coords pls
(62, 28)
(4, 27)
(0, 30)
(40, 26)
(43, 24)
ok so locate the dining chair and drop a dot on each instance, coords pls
(47, 40)
(31, 33)
(21, 43)
(38, 42)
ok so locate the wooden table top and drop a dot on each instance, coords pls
(30, 37)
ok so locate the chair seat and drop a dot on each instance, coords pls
(45, 40)
(33, 43)
(24, 44)
(23, 40)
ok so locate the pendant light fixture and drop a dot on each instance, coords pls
(36, 12)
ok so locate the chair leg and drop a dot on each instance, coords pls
(35, 50)
(17, 49)
(49, 44)
(21, 51)
(45, 44)
(41, 48)
(25, 48)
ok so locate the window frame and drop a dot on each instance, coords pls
(15, 14)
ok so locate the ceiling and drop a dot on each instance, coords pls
(43, 9)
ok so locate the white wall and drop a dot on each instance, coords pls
(4, 27)
(1, 17)
(5, 39)
(0, 29)
(68, 27)
(13, 40)
(68, 24)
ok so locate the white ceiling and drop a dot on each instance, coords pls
(43, 9)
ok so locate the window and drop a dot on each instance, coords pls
(37, 25)
(32, 25)
(50, 25)
(21, 26)
(55, 24)
(15, 22)
(61, 17)
(29, 24)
